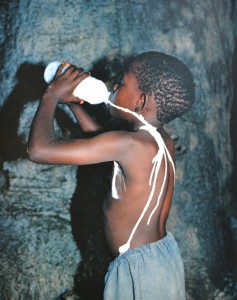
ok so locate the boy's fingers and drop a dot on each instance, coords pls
(77, 100)
(82, 76)
(76, 72)
(61, 67)
(80, 70)
(69, 69)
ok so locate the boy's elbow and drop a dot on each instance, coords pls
(35, 154)
(32, 154)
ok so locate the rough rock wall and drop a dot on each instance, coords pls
(39, 258)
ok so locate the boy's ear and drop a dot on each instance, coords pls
(141, 103)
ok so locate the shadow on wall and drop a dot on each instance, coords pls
(88, 230)
(30, 87)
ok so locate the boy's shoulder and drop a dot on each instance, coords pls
(140, 143)
(140, 137)
(133, 146)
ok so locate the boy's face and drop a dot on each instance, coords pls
(126, 94)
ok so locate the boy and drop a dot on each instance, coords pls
(159, 87)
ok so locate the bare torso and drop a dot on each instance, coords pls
(122, 214)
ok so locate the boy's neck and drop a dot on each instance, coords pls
(154, 122)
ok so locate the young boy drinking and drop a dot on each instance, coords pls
(156, 88)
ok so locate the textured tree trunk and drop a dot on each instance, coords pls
(45, 255)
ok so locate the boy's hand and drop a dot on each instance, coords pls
(62, 87)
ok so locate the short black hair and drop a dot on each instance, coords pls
(168, 79)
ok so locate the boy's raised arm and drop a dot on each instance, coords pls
(45, 147)
(83, 118)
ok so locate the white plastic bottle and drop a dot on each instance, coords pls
(91, 90)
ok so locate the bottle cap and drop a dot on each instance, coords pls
(51, 70)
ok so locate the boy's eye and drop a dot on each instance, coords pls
(118, 85)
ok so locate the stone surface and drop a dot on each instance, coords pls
(37, 246)
(39, 258)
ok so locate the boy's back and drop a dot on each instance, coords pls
(132, 186)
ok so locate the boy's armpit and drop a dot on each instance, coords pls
(109, 146)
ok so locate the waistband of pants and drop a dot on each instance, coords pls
(162, 243)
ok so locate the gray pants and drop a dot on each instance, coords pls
(149, 272)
